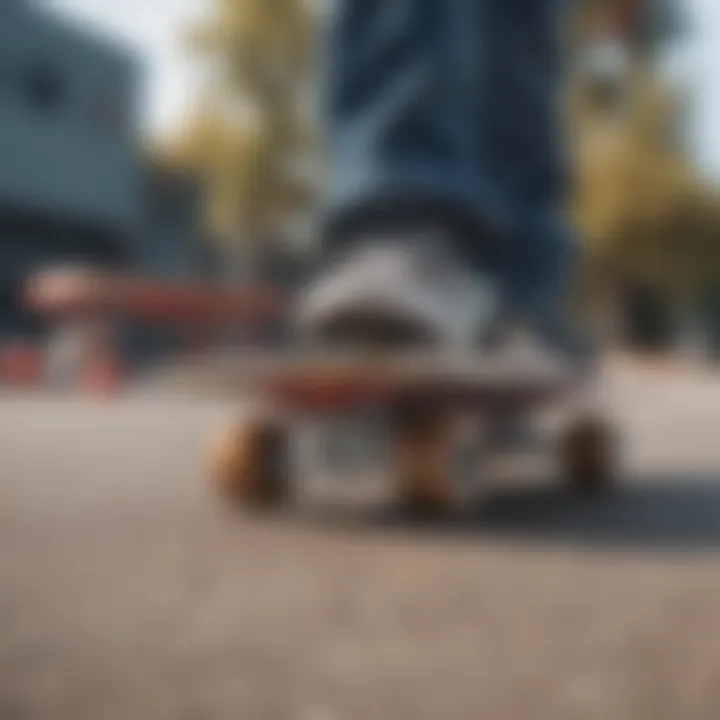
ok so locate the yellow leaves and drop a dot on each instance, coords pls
(247, 137)
(601, 173)
(638, 204)
(257, 38)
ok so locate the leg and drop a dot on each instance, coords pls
(443, 125)
(405, 160)
(403, 109)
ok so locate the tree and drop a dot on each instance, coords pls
(253, 137)
(640, 206)
(646, 219)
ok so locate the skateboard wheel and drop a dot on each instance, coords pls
(248, 461)
(421, 454)
(588, 456)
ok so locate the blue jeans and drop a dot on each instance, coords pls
(451, 105)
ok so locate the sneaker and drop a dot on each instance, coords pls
(399, 291)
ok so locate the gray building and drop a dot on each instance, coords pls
(69, 175)
(172, 241)
(74, 187)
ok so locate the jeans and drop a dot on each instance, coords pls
(453, 105)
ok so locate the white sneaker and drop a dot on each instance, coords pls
(399, 289)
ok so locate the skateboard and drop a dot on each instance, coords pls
(433, 410)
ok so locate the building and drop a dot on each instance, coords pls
(75, 185)
(70, 166)
(173, 240)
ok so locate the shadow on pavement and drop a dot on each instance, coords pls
(654, 513)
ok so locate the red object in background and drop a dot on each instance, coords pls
(102, 369)
(21, 365)
(107, 300)
(63, 293)
(102, 375)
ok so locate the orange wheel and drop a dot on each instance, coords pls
(248, 461)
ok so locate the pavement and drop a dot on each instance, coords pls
(128, 591)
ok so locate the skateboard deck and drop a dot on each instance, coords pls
(318, 382)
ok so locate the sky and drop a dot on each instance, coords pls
(704, 74)
(154, 26)
(153, 29)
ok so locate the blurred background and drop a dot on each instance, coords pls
(182, 140)
(156, 157)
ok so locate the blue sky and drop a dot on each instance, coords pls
(153, 27)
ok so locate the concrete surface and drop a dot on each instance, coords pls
(127, 592)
